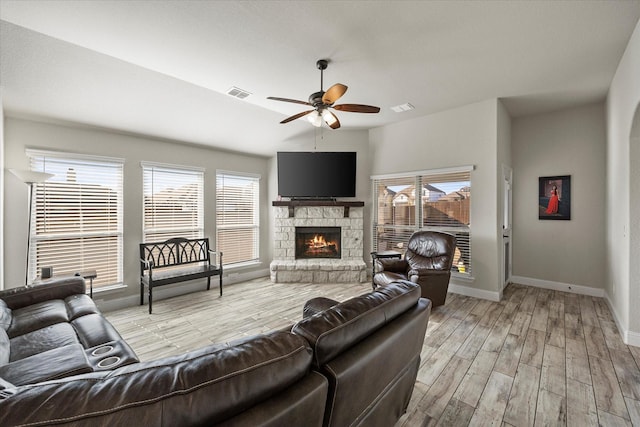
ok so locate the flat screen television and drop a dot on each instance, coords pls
(316, 175)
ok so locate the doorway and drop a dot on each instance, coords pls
(507, 251)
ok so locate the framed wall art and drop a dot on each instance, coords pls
(554, 197)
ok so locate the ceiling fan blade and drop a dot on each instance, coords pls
(357, 108)
(333, 93)
(296, 116)
(295, 101)
(333, 121)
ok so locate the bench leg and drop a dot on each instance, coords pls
(150, 297)
(220, 284)
(208, 282)
(141, 293)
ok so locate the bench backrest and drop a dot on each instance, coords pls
(174, 252)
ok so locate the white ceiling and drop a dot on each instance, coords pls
(162, 68)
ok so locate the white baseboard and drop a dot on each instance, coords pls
(474, 292)
(631, 338)
(628, 337)
(171, 291)
(559, 286)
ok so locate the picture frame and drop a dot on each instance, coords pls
(554, 197)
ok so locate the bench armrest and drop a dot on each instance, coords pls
(217, 256)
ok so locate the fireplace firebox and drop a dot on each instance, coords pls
(318, 242)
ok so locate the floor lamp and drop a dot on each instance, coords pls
(31, 178)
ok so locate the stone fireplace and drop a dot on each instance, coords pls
(318, 242)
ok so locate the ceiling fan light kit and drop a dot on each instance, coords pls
(321, 102)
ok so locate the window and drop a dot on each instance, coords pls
(76, 221)
(173, 202)
(237, 217)
(438, 200)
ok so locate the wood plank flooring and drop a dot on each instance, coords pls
(538, 357)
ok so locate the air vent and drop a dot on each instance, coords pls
(402, 108)
(236, 92)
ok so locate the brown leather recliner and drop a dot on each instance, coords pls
(427, 262)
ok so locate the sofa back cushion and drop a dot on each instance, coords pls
(59, 288)
(337, 329)
(202, 387)
(432, 250)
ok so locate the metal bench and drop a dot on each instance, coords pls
(177, 260)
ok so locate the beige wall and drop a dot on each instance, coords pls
(457, 137)
(21, 134)
(623, 100)
(562, 253)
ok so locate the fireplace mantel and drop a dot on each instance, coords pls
(292, 204)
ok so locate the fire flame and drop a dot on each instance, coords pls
(318, 241)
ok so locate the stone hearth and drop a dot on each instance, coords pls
(285, 268)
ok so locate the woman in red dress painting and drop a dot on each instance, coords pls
(552, 207)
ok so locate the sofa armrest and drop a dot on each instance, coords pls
(57, 288)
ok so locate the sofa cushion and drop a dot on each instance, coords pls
(37, 316)
(5, 315)
(54, 336)
(343, 325)
(5, 349)
(49, 365)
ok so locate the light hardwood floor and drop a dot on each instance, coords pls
(538, 357)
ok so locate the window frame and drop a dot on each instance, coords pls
(420, 179)
(196, 230)
(89, 231)
(254, 225)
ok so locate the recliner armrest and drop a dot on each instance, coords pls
(424, 272)
(391, 264)
(422, 275)
(58, 288)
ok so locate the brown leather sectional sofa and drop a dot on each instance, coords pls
(350, 363)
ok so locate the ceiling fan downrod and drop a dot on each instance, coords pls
(322, 65)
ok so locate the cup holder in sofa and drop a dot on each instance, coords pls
(109, 362)
(99, 351)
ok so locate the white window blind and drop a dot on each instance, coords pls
(76, 222)
(237, 217)
(429, 200)
(173, 202)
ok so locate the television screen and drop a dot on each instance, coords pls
(319, 175)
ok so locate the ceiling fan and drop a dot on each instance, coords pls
(322, 101)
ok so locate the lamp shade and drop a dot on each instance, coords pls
(31, 177)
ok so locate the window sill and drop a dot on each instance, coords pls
(462, 278)
(241, 265)
(108, 288)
